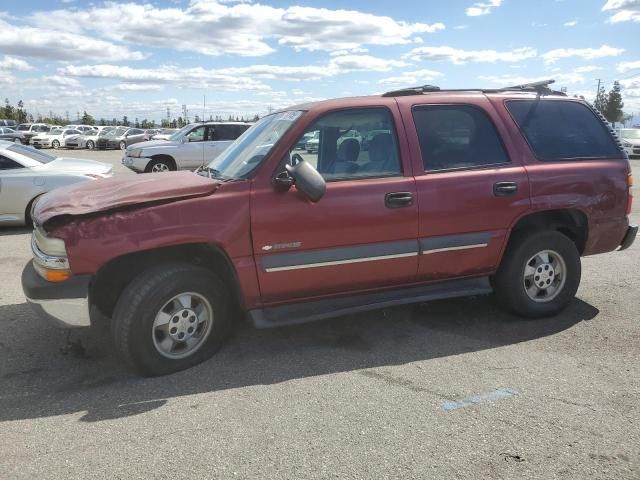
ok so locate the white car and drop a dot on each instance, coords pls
(55, 138)
(88, 139)
(82, 128)
(189, 148)
(630, 138)
(27, 173)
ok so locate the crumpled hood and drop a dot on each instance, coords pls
(117, 192)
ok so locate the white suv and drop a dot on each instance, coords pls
(187, 149)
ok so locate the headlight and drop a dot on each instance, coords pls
(135, 153)
(49, 257)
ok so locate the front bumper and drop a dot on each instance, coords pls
(629, 237)
(65, 304)
(137, 164)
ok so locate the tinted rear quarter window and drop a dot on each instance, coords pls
(562, 130)
(457, 137)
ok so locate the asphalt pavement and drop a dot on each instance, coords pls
(449, 389)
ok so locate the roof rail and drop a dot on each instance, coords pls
(541, 88)
(412, 91)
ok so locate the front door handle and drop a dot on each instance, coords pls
(398, 199)
(502, 189)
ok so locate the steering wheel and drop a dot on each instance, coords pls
(296, 158)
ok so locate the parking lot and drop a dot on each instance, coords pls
(448, 389)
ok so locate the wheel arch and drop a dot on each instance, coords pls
(166, 158)
(113, 277)
(571, 222)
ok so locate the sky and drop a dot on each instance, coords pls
(245, 57)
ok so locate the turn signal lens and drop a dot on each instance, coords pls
(630, 180)
(52, 275)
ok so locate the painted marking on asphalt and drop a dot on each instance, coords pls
(496, 394)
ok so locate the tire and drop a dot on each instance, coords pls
(160, 166)
(55, 144)
(152, 295)
(518, 289)
(91, 145)
(123, 145)
(17, 140)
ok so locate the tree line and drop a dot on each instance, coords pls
(611, 104)
(20, 115)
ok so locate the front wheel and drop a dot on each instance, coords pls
(18, 141)
(91, 145)
(171, 317)
(159, 166)
(123, 145)
(55, 144)
(539, 274)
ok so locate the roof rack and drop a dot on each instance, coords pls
(541, 88)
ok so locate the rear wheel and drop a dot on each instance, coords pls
(91, 145)
(55, 144)
(539, 275)
(171, 317)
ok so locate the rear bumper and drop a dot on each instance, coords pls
(629, 237)
(64, 304)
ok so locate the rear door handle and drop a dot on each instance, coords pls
(398, 199)
(502, 189)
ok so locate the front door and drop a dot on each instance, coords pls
(191, 154)
(361, 235)
(470, 190)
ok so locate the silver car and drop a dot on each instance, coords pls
(88, 139)
(187, 149)
(27, 173)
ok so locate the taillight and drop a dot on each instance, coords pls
(629, 194)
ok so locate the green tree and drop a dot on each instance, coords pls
(600, 102)
(102, 122)
(613, 110)
(626, 117)
(87, 119)
(125, 121)
(114, 122)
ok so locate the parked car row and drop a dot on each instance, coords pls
(630, 139)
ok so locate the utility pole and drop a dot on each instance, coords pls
(598, 90)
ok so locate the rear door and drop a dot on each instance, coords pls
(360, 235)
(470, 187)
(219, 137)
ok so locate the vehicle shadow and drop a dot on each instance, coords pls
(47, 372)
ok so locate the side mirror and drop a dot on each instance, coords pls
(307, 179)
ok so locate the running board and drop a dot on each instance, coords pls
(311, 311)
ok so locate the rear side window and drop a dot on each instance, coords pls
(457, 137)
(226, 132)
(562, 130)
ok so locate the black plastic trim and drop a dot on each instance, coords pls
(37, 288)
(629, 237)
(334, 307)
(453, 241)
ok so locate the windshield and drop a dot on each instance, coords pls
(180, 133)
(104, 131)
(24, 127)
(32, 153)
(248, 151)
(118, 132)
(635, 133)
(56, 131)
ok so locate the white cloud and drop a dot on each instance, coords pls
(232, 78)
(13, 63)
(213, 28)
(417, 77)
(460, 57)
(623, 10)
(571, 23)
(631, 83)
(507, 80)
(624, 67)
(59, 45)
(588, 69)
(553, 56)
(482, 8)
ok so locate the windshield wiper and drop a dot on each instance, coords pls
(213, 173)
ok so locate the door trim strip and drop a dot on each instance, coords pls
(451, 249)
(340, 262)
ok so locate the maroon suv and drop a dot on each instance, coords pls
(457, 193)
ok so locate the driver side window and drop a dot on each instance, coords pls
(196, 135)
(351, 144)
